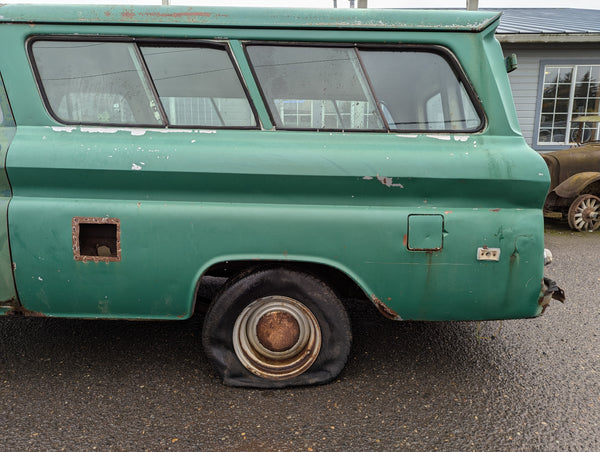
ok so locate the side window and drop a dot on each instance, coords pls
(421, 91)
(354, 88)
(6, 118)
(198, 86)
(314, 87)
(95, 82)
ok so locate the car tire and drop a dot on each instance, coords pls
(275, 328)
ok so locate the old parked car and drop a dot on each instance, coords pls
(575, 185)
(306, 156)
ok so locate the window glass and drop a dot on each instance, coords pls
(6, 118)
(198, 86)
(330, 88)
(314, 87)
(420, 90)
(95, 82)
(569, 92)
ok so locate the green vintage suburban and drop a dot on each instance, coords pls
(304, 156)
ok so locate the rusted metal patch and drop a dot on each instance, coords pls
(385, 310)
(21, 311)
(102, 250)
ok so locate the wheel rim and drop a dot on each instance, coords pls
(276, 338)
(584, 215)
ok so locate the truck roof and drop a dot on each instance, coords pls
(211, 16)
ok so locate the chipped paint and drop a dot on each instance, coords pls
(135, 167)
(404, 135)
(63, 129)
(440, 137)
(462, 138)
(134, 131)
(388, 181)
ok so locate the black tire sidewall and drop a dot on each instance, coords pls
(217, 335)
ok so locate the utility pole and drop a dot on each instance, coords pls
(472, 5)
(335, 3)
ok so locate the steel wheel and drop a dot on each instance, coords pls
(276, 338)
(276, 327)
(584, 213)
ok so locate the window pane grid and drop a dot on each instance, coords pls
(569, 92)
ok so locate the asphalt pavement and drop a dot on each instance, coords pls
(513, 385)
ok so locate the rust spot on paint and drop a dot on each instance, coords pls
(176, 15)
(405, 240)
(128, 14)
(385, 310)
(494, 210)
(21, 311)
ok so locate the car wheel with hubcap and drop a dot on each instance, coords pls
(275, 328)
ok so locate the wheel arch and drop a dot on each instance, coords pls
(576, 184)
(346, 283)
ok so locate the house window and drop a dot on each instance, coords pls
(569, 92)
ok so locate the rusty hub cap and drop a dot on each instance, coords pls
(276, 338)
(278, 331)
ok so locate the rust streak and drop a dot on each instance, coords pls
(385, 310)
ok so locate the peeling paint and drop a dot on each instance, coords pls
(461, 138)
(388, 181)
(63, 129)
(440, 137)
(402, 135)
(135, 167)
(134, 131)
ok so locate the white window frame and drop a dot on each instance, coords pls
(569, 126)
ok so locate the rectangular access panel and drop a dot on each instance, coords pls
(425, 232)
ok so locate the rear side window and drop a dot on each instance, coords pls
(315, 87)
(124, 83)
(95, 82)
(353, 88)
(198, 86)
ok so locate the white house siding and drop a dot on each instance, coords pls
(525, 80)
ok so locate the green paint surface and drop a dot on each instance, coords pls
(188, 199)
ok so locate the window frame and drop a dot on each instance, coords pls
(140, 42)
(572, 63)
(440, 50)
